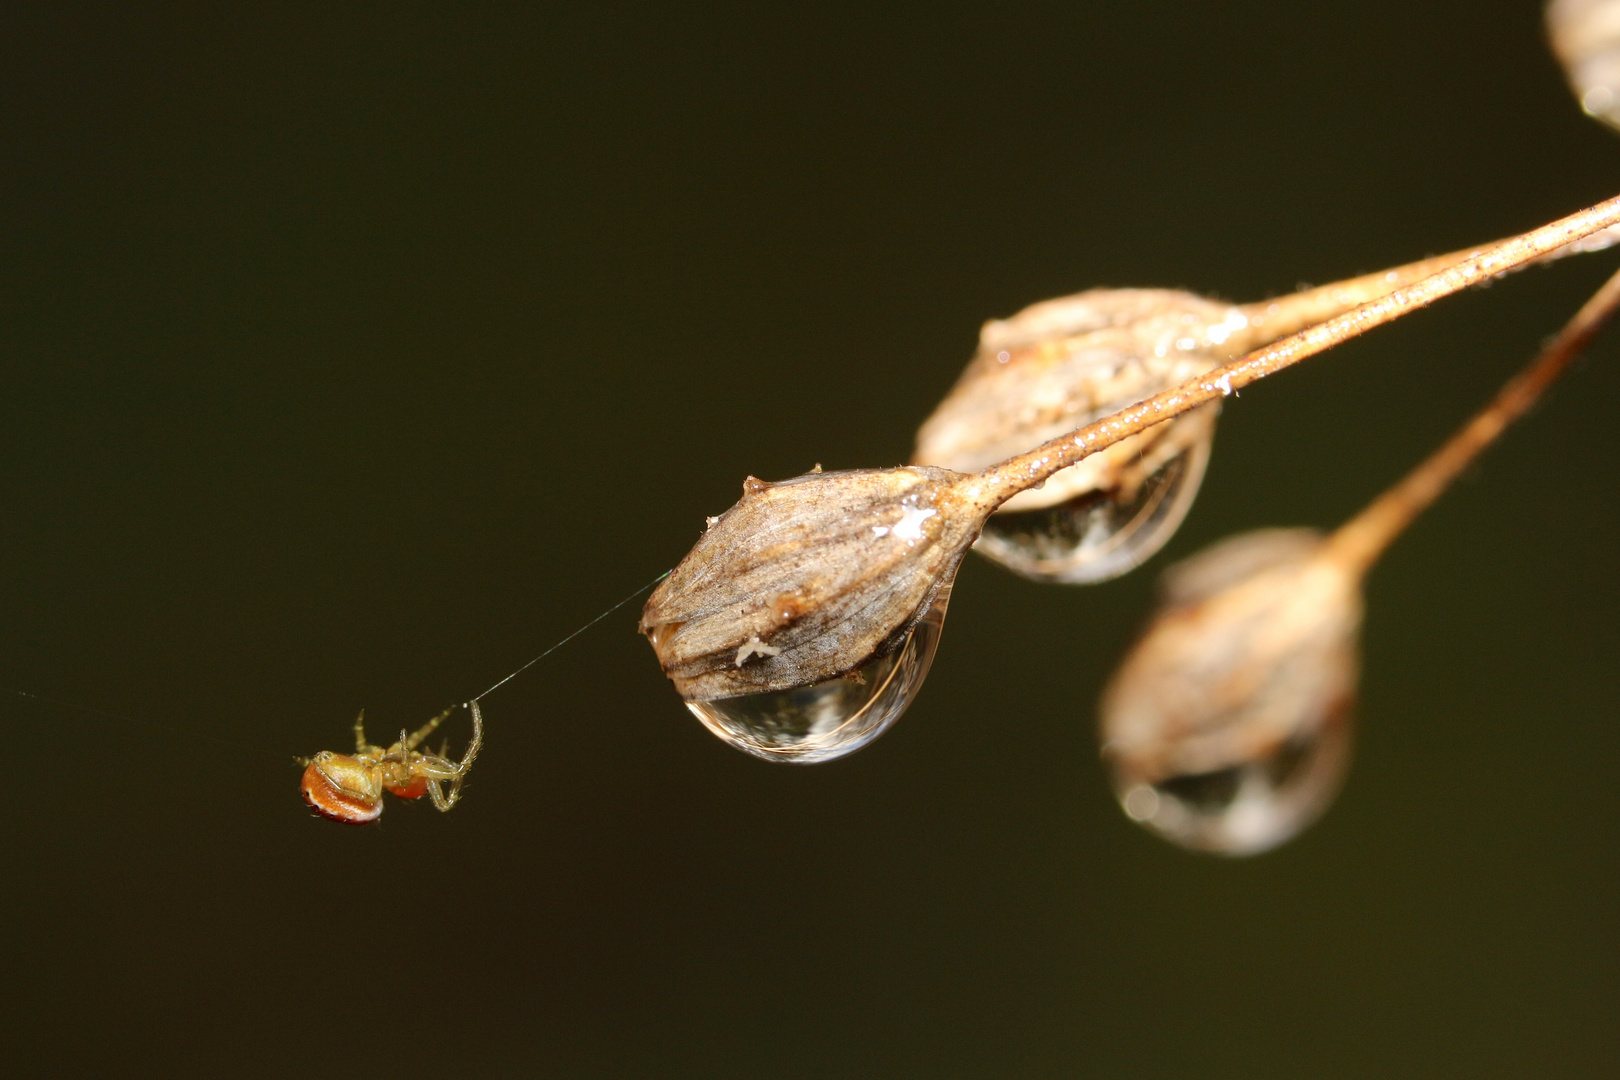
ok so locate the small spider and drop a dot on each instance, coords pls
(350, 789)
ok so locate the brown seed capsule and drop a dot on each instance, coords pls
(810, 578)
(1586, 39)
(1227, 728)
(803, 621)
(1063, 363)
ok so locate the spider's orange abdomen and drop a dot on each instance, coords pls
(413, 788)
(339, 787)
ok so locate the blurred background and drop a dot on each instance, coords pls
(354, 355)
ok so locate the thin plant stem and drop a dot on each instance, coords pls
(1361, 540)
(1289, 314)
(1002, 481)
(1284, 315)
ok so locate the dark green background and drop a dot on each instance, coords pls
(351, 357)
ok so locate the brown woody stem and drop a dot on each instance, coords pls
(1001, 482)
(1362, 539)
(1284, 315)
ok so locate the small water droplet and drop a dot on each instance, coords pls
(829, 719)
(1099, 535)
(1248, 807)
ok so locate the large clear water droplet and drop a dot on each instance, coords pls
(1251, 806)
(829, 719)
(1100, 534)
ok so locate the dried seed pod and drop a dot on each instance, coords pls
(1586, 39)
(802, 623)
(1227, 728)
(1061, 364)
(1078, 359)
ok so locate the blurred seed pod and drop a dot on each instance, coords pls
(1063, 363)
(1228, 726)
(1586, 39)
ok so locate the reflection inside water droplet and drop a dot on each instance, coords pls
(1248, 807)
(1098, 535)
(829, 719)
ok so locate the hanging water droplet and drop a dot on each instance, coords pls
(1227, 728)
(1251, 806)
(828, 719)
(1057, 366)
(1099, 535)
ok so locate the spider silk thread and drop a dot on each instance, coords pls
(235, 744)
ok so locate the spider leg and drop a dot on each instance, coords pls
(477, 743)
(360, 731)
(441, 801)
(426, 729)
